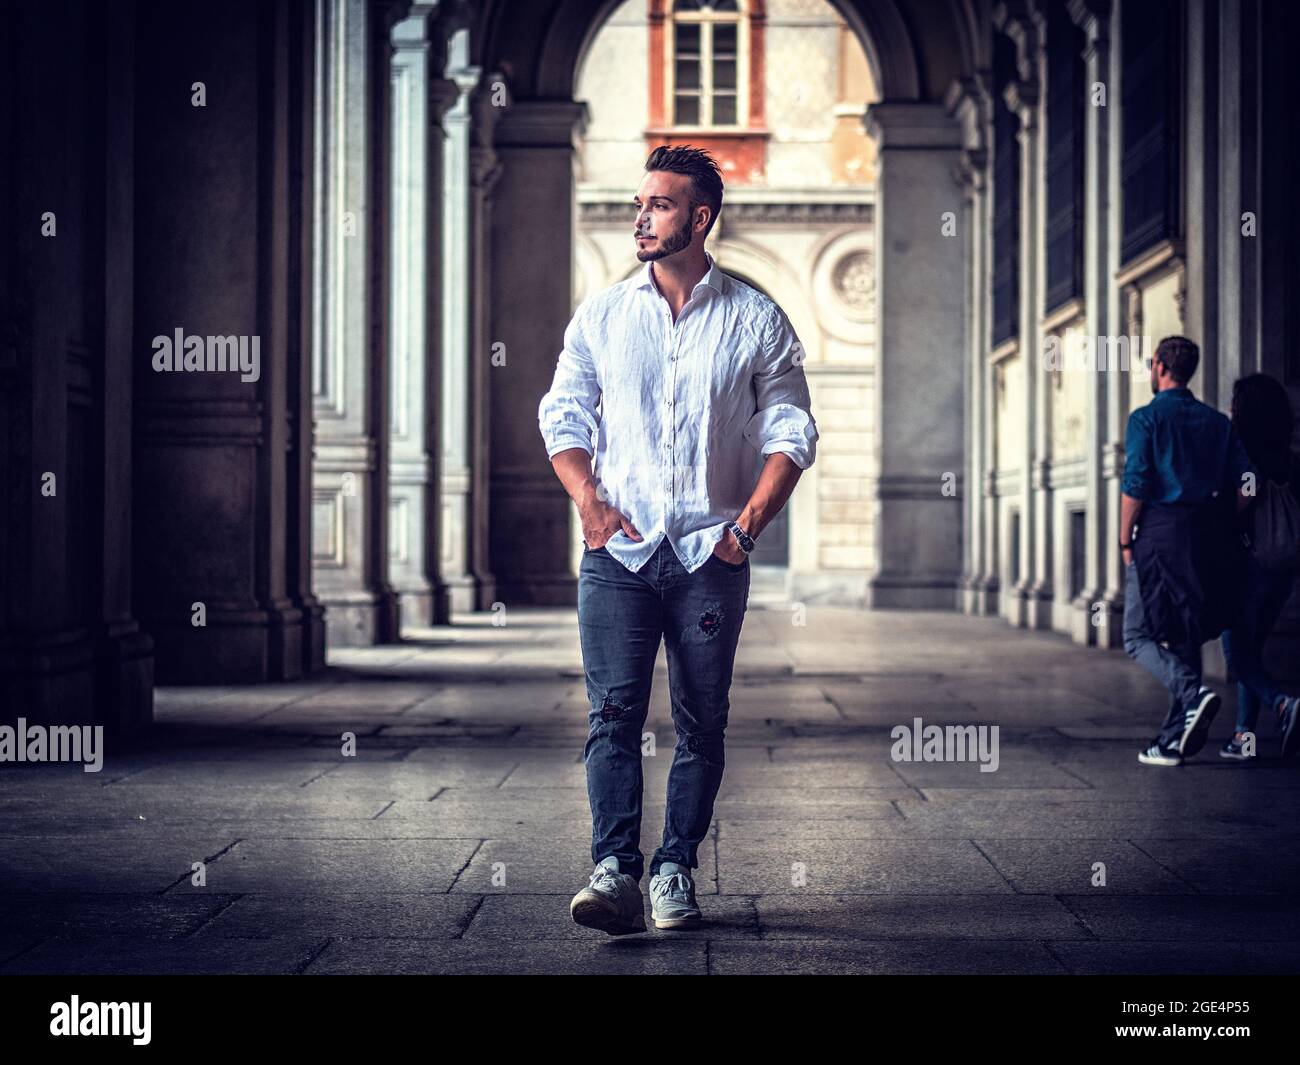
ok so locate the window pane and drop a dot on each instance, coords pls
(687, 5)
(687, 110)
(688, 38)
(724, 5)
(688, 73)
(724, 39)
(724, 73)
(724, 109)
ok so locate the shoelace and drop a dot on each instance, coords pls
(674, 885)
(600, 876)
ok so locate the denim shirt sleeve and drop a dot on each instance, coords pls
(567, 414)
(783, 419)
(1139, 465)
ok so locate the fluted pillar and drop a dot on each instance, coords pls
(457, 376)
(420, 99)
(352, 271)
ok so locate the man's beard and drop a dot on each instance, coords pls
(678, 239)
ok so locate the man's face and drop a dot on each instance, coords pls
(663, 217)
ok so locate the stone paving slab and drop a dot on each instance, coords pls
(114, 955)
(370, 914)
(1230, 918)
(1045, 867)
(855, 867)
(917, 917)
(917, 957)
(113, 862)
(627, 955)
(294, 866)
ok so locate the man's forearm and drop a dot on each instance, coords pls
(1129, 511)
(775, 483)
(573, 467)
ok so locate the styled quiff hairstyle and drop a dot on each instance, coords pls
(700, 167)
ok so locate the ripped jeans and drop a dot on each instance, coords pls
(622, 616)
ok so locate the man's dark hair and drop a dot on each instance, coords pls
(1180, 356)
(700, 167)
(1263, 418)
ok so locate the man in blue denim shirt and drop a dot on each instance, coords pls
(1183, 467)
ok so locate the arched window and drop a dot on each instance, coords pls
(705, 57)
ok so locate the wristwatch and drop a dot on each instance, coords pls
(743, 538)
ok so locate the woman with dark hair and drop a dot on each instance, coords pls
(1264, 421)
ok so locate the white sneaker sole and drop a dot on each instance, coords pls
(1145, 759)
(677, 922)
(591, 911)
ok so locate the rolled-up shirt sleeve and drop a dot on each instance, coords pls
(1139, 473)
(567, 414)
(782, 420)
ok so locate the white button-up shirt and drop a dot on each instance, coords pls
(688, 410)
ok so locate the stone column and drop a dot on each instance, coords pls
(456, 409)
(218, 240)
(532, 302)
(484, 173)
(1033, 592)
(351, 496)
(1103, 621)
(419, 100)
(968, 103)
(71, 651)
(920, 325)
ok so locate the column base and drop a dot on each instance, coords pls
(361, 619)
(910, 592)
(234, 647)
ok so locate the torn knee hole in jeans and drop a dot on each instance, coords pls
(706, 746)
(612, 710)
(711, 621)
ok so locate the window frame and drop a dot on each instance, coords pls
(707, 19)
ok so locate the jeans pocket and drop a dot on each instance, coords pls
(734, 567)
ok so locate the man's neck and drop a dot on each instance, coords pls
(677, 275)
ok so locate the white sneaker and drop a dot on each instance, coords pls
(611, 902)
(672, 897)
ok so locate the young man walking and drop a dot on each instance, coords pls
(704, 428)
(1183, 470)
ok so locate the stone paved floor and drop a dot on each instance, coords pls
(469, 769)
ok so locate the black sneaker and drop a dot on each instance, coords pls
(1157, 755)
(1288, 720)
(1233, 750)
(1196, 722)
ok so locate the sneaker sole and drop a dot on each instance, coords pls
(592, 912)
(671, 923)
(1171, 762)
(1236, 757)
(1194, 738)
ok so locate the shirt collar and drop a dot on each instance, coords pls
(712, 277)
(1181, 392)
